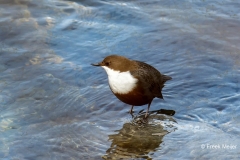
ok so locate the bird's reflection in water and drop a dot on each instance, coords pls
(140, 137)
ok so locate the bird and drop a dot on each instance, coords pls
(133, 82)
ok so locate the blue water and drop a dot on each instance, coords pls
(55, 105)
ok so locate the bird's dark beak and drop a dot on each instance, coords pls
(96, 64)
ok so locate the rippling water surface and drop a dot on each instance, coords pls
(54, 105)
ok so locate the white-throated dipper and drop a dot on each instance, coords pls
(133, 82)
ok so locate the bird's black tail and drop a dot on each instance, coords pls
(166, 78)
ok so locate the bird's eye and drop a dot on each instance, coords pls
(107, 63)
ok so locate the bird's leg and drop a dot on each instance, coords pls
(131, 110)
(146, 115)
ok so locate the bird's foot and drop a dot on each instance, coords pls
(146, 115)
(140, 120)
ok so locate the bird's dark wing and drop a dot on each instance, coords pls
(166, 78)
(150, 79)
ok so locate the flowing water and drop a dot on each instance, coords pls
(55, 105)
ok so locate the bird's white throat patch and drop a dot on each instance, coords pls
(120, 82)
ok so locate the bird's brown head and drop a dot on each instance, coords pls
(115, 62)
